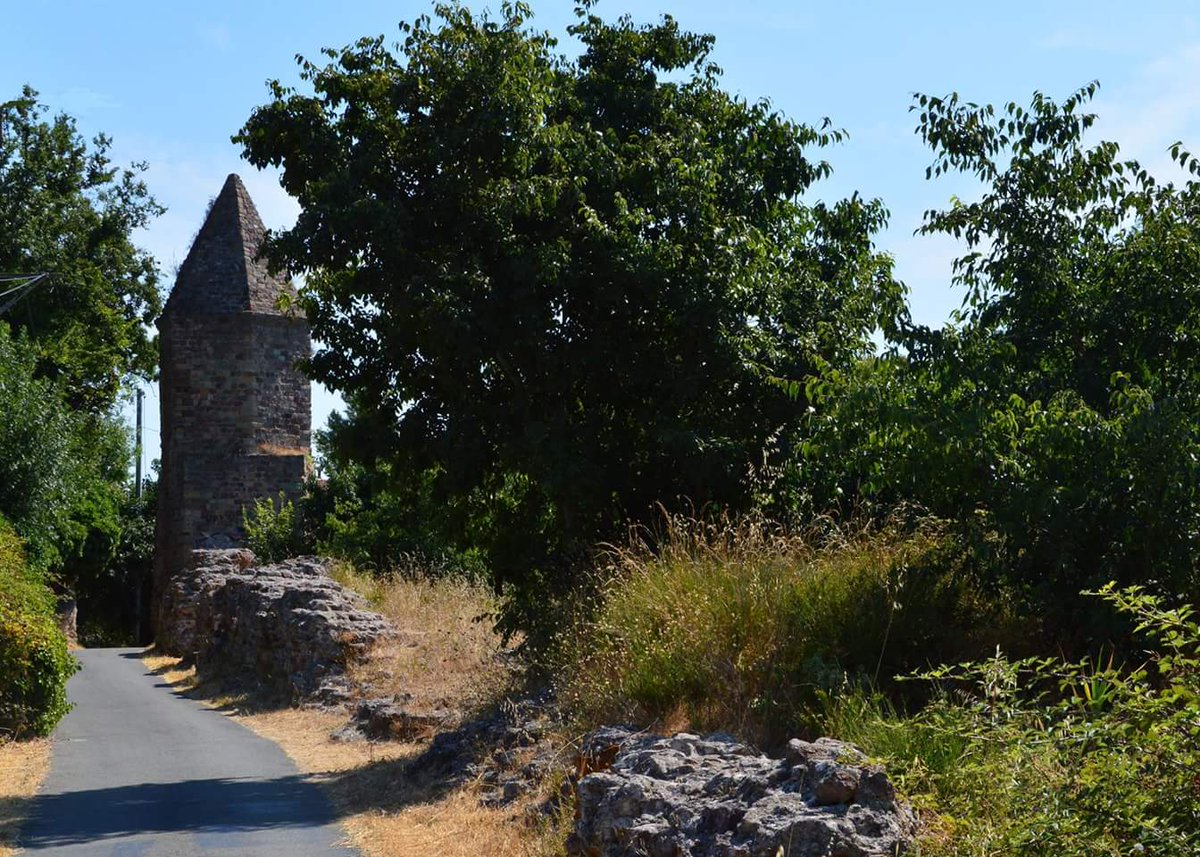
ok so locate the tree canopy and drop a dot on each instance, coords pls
(67, 212)
(61, 470)
(1055, 418)
(77, 298)
(568, 288)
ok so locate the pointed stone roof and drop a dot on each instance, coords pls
(222, 273)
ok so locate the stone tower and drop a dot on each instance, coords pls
(236, 413)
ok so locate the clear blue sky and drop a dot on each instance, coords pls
(170, 82)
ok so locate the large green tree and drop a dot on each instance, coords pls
(568, 288)
(61, 470)
(1058, 417)
(66, 212)
(77, 297)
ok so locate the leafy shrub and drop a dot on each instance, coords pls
(744, 626)
(1056, 495)
(273, 529)
(360, 516)
(1046, 757)
(34, 660)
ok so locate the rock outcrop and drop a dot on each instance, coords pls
(392, 720)
(288, 624)
(644, 794)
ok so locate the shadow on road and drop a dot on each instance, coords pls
(229, 694)
(382, 785)
(193, 806)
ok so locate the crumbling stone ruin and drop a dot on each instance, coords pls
(715, 797)
(236, 413)
(288, 626)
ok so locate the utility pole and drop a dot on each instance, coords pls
(137, 492)
(137, 449)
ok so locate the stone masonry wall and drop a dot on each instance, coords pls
(230, 386)
(236, 426)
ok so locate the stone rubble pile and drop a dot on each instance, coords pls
(288, 624)
(714, 797)
(392, 720)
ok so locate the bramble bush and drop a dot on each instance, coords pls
(1041, 756)
(34, 660)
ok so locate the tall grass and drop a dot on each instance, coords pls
(749, 628)
(744, 625)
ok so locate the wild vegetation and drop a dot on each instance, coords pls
(605, 355)
(33, 652)
(555, 291)
(603, 302)
(1047, 756)
(749, 628)
(75, 297)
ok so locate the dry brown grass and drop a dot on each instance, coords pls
(23, 766)
(386, 805)
(170, 669)
(447, 654)
(390, 806)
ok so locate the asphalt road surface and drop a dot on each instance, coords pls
(140, 772)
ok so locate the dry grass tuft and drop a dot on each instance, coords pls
(171, 670)
(447, 655)
(23, 767)
(456, 825)
(744, 625)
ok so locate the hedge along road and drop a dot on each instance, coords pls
(138, 771)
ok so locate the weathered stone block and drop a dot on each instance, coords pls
(288, 624)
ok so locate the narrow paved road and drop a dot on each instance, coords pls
(140, 772)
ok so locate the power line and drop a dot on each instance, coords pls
(20, 290)
(24, 280)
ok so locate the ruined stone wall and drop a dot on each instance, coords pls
(287, 625)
